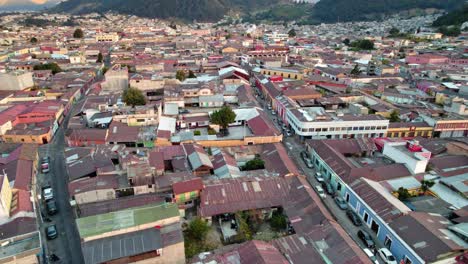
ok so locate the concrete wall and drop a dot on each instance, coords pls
(16, 82)
(95, 196)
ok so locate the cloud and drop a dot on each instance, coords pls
(22, 2)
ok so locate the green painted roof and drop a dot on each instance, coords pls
(99, 224)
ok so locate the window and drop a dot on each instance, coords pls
(366, 217)
(355, 128)
(332, 129)
(338, 187)
(361, 128)
(388, 242)
(408, 260)
(372, 127)
(325, 129)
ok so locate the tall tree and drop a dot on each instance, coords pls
(33, 40)
(180, 75)
(191, 74)
(133, 97)
(355, 71)
(292, 33)
(403, 194)
(426, 185)
(99, 58)
(78, 33)
(223, 117)
(395, 116)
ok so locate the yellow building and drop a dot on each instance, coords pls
(409, 129)
(285, 73)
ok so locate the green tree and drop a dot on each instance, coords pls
(395, 116)
(180, 75)
(33, 40)
(48, 66)
(255, 164)
(363, 44)
(403, 194)
(100, 58)
(355, 71)
(133, 97)
(426, 185)
(346, 41)
(451, 31)
(198, 229)
(278, 221)
(78, 33)
(394, 32)
(191, 74)
(292, 33)
(223, 117)
(245, 233)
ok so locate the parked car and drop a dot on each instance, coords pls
(387, 256)
(371, 255)
(184, 111)
(304, 155)
(319, 177)
(51, 232)
(45, 168)
(320, 191)
(284, 126)
(273, 112)
(328, 187)
(288, 133)
(309, 163)
(354, 217)
(341, 203)
(269, 107)
(47, 193)
(45, 159)
(51, 207)
(366, 238)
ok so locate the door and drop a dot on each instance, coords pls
(347, 197)
(375, 227)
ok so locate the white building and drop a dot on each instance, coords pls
(116, 78)
(315, 123)
(17, 80)
(409, 153)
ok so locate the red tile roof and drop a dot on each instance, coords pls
(187, 186)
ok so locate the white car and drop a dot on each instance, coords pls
(371, 255)
(320, 191)
(387, 256)
(47, 193)
(319, 177)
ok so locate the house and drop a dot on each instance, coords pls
(17, 80)
(155, 227)
(199, 160)
(185, 192)
(430, 237)
(261, 195)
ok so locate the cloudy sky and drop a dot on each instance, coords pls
(24, 2)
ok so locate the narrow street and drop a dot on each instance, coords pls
(294, 148)
(67, 245)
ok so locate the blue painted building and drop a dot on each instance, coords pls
(376, 206)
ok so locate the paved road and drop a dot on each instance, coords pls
(67, 246)
(294, 147)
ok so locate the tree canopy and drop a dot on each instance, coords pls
(100, 58)
(403, 194)
(180, 75)
(48, 66)
(78, 33)
(191, 74)
(223, 117)
(363, 44)
(33, 40)
(133, 97)
(395, 116)
(292, 33)
(255, 164)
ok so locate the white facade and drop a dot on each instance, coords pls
(16, 80)
(337, 128)
(415, 161)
